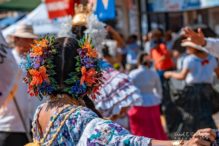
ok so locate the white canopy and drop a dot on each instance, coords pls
(38, 18)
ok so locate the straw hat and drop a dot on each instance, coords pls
(192, 45)
(24, 31)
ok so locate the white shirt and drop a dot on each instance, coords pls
(179, 62)
(10, 120)
(8, 71)
(199, 73)
(149, 84)
(147, 47)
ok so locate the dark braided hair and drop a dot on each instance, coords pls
(79, 31)
(65, 63)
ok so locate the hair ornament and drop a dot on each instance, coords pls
(85, 79)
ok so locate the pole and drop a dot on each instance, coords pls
(22, 120)
(140, 24)
(167, 25)
(148, 15)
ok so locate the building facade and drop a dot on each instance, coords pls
(174, 14)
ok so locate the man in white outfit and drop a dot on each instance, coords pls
(16, 105)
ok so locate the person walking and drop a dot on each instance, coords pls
(196, 98)
(145, 119)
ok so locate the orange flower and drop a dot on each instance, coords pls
(86, 45)
(90, 51)
(38, 47)
(37, 51)
(88, 76)
(43, 43)
(38, 76)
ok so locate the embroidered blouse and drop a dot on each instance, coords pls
(84, 128)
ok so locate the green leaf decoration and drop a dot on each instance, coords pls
(51, 72)
(78, 64)
(50, 66)
(67, 90)
(78, 69)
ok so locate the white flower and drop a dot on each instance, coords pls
(96, 30)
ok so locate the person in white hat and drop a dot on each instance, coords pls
(196, 100)
(22, 38)
(15, 111)
(210, 45)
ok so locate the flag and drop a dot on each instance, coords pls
(60, 8)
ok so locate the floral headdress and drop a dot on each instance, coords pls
(85, 79)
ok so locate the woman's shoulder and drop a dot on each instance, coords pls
(35, 130)
(84, 112)
(190, 58)
(81, 116)
(38, 109)
(212, 58)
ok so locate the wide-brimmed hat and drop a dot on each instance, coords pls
(24, 31)
(192, 45)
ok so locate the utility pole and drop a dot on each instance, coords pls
(140, 23)
(148, 15)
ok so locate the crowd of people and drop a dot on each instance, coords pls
(110, 91)
(175, 75)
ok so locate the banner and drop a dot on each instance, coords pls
(165, 5)
(105, 10)
(179, 5)
(209, 3)
(60, 8)
(191, 4)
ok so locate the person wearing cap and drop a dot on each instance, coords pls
(15, 114)
(196, 98)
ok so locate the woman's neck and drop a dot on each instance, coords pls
(62, 100)
(201, 55)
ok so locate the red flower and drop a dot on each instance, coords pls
(89, 77)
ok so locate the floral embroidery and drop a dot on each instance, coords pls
(104, 132)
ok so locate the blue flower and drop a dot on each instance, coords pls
(104, 65)
(88, 62)
(37, 62)
(26, 63)
(46, 88)
(78, 89)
